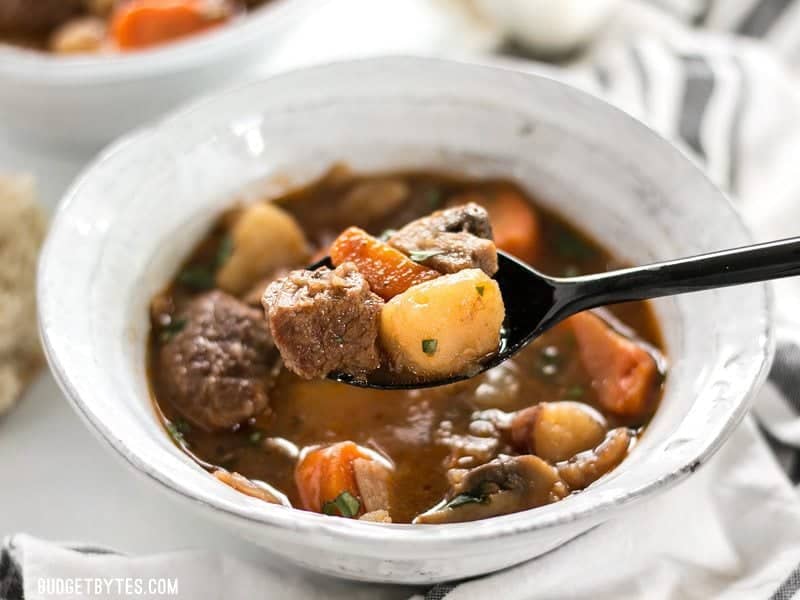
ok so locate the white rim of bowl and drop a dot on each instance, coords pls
(351, 533)
(42, 67)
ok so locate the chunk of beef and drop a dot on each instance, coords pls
(26, 17)
(256, 293)
(324, 321)
(216, 368)
(450, 240)
(505, 485)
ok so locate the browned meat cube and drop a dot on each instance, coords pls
(450, 240)
(324, 321)
(24, 17)
(215, 367)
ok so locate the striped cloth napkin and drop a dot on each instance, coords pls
(719, 78)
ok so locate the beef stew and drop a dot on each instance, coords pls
(101, 26)
(415, 307)
(548, 422)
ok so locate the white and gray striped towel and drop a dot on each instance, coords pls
(719, 77)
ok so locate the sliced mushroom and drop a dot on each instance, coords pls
(557, 431)
(587, 467)
(505, 485)
(252, 488)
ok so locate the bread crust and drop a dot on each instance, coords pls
(22, 230)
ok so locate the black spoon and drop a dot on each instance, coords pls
(536, 302)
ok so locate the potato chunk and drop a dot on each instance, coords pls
(79, 36)
(444, 326)
(557, 431)
(265, 238)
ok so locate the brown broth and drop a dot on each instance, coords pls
(406, 426)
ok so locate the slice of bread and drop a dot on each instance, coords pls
(22, 229)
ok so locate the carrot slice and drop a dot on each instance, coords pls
(324, 474)
(623, 373)
(142, 24)
(389, 272)
(515, 224)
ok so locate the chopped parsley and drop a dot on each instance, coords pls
(480, 289)
(434, 197)
(197, 278)
(201, 277)
(169, 331)
(345, 505)
(429, 346)
(176, 434)
(462, 499)
(423, 255)
(255, 438)
(479, 495)
(571, 246)
(224, 251)
(575, 392)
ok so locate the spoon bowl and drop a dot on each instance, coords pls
(535, 302)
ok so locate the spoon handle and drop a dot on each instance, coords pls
(759, 262)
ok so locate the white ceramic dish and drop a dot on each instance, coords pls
(82, 103)
(125, 225)
(549, 27)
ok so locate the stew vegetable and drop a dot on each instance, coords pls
(239, 385)
(97, 26)
(419, 305)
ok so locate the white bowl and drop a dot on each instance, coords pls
(82, 103)
(549, 27)
(127, 222)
